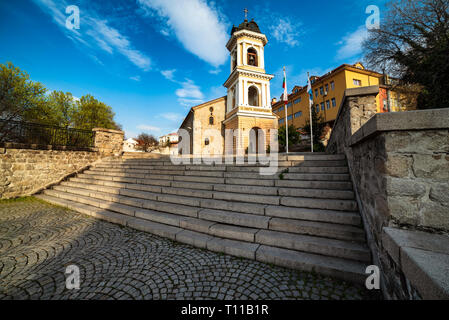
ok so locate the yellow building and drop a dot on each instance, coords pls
(247, 104)
(328, 91)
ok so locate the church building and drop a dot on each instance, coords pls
(247, 104)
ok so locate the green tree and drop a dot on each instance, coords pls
(18, 96)
(63, 108)
(318, 126)
(294, 137)
(92, 113)
(412, 44)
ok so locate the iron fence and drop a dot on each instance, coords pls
(40, 134)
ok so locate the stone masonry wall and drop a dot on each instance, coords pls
(25, 171)
(399, 164)
(108, 141)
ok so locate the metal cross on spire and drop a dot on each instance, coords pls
(246, 13)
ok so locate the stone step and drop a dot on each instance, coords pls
(347, 270)
(147, 185)
(235, 218)
(153, 202)
(188, 195)
(315, 163)
(328, 204)
(317, 176)
(337, 217)
(308, 169)
(324, 246)
(170, 222)
(315, 157)
(320, 229)
(334, 185)
(316, 193)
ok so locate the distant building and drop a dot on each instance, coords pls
(171, 137)
(328, 91)
(130, 145)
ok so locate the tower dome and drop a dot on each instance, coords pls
(245, 25)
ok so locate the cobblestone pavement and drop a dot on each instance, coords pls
(38, 241)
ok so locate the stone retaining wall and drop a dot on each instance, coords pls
(399, 164)
(27, 169)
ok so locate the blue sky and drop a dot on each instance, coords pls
(151, 60)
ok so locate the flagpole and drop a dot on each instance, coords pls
(285, 108)
(310, 112)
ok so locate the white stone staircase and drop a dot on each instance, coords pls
(304, 219)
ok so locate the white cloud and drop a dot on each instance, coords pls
(215, 71)
(351, 44)
(135, 78)
(95, 34)
(198, 26)
(169, 74)
(285, 31)
(189, 102)
(146, 127)
(189, 90)
(108, 38)
(172, 116)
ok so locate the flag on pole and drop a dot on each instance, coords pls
(285, 98)
(310, 92)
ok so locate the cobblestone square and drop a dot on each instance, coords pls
(38, 241)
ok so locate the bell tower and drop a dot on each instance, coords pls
(248, 85)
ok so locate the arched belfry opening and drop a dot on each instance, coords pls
(253, 96)
(252, 57)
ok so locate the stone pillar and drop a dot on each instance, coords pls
(108, 141)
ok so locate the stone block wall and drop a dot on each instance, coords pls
(399, 165)
(108, 141)
(27, 169)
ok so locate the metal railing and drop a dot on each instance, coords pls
(41, 134)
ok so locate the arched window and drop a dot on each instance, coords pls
(253, 96)
(206, 141)
(234, 60)
(211, 120)
(252, 57)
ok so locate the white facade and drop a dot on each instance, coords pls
(172, 138)
(248, 78)
(130, 145)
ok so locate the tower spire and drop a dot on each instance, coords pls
(246, 14)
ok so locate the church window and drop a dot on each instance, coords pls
(211, 120)
(206, 141)
(253, 96)
(252, 57)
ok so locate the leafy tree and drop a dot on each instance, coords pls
(92, 113)
(294, 137)
(144, 141)
(318, 127)
(63, 107)
(412, 44)
(18, 96)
